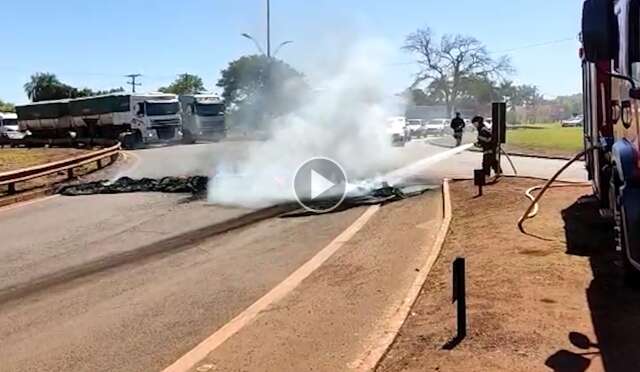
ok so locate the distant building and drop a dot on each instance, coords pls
(426, 112)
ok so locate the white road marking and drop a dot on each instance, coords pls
(190, 359)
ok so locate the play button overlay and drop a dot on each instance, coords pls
(320, 185)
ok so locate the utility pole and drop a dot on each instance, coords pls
(269, 29)
(133, 83)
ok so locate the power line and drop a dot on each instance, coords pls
(530, 46)
(133, 83)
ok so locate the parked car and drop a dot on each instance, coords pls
(575, 121)
(397, 130)
(437, 127)
(416, 128)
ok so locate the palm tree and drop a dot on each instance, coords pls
(44, 86)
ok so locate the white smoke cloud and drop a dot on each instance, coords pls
(344, 119)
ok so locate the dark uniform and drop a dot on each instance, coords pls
(457, 124)
(489, 148)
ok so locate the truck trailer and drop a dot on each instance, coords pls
(133, 119)
(610, 57)
(203, 118)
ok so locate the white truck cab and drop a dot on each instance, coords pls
(9, 126)
(157, 118)
(203, 117)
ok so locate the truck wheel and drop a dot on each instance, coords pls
(138, 141)
(125, 140)
(128, 141)
(187, 138)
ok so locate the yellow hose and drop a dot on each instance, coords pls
(534, 208)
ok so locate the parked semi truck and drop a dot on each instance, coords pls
(202, 118)
(611, 71)
(133, 119)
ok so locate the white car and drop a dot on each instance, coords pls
(9, 126)
(397, 129)
(436, 127)
(574, 121)
(416, 128)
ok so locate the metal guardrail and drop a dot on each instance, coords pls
(10, 178)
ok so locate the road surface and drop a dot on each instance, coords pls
(145, 312)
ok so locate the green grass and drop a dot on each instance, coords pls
(17, 158)
(549, 139)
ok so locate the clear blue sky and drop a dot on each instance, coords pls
(95, 43)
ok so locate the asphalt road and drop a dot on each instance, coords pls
(143, 313)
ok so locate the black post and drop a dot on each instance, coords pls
(499, 129)
(459, 296)
(479, 179)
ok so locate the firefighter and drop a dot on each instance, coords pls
(457, 124)
(488, 146)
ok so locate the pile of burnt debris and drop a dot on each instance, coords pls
(188, 185)
(381, 193)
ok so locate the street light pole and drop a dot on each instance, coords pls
(268, 54)
(254, 41)
(268, 28)
(275, 53)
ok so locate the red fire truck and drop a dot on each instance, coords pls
(611, 85)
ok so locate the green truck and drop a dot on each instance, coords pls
(133, 119)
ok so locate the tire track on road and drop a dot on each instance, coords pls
(161, 248)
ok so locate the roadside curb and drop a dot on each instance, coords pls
(371, 360)
(519, 154)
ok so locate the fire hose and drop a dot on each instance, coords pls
(515, 171)
(534, 207)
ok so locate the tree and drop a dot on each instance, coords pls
(7, 107)
(418, 97)
(45, 86)
(185, 84)
(572, 104)
(86, 92)
(258, 87)
(448, 62)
